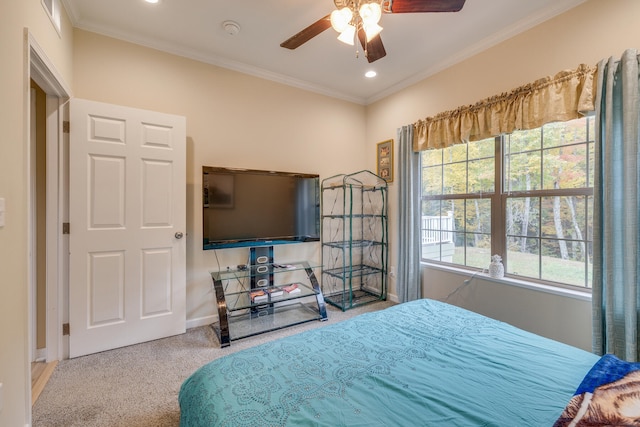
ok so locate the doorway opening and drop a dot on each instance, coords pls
(46, 212)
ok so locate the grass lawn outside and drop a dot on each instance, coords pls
(528, 266)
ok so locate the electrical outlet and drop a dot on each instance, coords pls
(392, 271)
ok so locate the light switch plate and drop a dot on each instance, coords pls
(2, 210)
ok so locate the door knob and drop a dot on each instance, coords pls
(179, 235)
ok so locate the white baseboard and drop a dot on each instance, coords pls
(201, 321)
(41, 355)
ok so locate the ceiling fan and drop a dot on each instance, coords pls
(358, 16)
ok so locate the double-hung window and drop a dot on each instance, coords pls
(527, 196)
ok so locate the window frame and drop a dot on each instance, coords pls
(53, 10)
(499, 199)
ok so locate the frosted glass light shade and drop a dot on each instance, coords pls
(341, 18)
(370, 13)
(372, 30)
(348, 35)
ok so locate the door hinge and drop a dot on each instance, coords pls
(66, 126)
(66, 228)
(65, 329)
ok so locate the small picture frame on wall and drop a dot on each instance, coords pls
(384, 160)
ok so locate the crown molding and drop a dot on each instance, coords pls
(484, 44)
(72, 12)
(217, 61)
(472, 50)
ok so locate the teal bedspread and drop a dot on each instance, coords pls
(422, 363)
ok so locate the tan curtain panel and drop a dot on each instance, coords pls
(565, 96)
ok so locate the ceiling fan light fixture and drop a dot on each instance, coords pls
(371, 30)
(363, 17)
(370, 13)
(348, 35)
(341, 18)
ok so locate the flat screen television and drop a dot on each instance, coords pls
(245, 207)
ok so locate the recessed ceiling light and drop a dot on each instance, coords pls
(153, 1)
(370, 74)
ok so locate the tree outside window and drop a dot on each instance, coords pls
(527, 196)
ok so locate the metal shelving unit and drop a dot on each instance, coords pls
(240, 316)
(354, 239)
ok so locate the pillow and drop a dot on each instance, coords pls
(609, 395)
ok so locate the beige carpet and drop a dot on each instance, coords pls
(138, 386)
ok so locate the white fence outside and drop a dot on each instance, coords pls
(437, 237)
(437, 229)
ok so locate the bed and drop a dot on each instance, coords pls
(422, 363)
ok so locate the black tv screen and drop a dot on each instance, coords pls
(243, 207)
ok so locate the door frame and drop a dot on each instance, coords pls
(43, 72)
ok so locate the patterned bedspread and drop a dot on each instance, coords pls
(609, 395)
(423, 363)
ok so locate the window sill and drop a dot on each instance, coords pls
(565, 292)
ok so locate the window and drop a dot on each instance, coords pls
(527, 196)
(53, 10)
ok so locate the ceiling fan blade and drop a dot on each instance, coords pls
(421, 6)
(374, 49)
(308, 33)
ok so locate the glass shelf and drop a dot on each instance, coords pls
(242, 300)
(241, 317)
(248, 271)
(282, 316)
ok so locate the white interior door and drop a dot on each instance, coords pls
(127, 217)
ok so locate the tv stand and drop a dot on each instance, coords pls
(265, 297)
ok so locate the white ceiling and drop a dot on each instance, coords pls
(417, 45)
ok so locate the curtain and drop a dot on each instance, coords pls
(409, 285)
(565, 96)
(616, 303)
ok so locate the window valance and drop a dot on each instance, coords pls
(565, 96)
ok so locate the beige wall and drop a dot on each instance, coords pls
(586, 34)
(15, 16)
(233, 120)
(238, 120)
